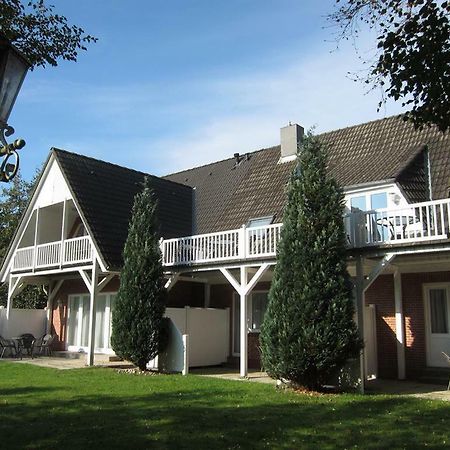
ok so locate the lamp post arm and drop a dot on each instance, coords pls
(8, 170)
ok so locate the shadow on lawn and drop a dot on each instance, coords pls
(189, 419)
(26, 390)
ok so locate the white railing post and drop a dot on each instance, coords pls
(242, 249)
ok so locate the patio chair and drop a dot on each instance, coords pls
(26, 342)
(7, 344)
(448, 360)
(43, 345)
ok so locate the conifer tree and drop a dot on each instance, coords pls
(308, 332)
(138, 324)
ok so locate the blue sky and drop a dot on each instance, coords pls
(174, 84)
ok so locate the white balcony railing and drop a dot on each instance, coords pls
(418, 222)
(48, 255)
(77, 250)
(412, 223)
(53, 254)
(242, 243)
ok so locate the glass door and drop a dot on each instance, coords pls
(78, 322)
(437, 308)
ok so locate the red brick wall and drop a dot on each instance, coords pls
(413, 307)
(381, 293)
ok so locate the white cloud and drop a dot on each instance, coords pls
(165, 127)
(313, 91)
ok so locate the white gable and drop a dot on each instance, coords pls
(54, 188)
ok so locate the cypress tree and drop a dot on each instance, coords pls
(138, 324)
(308, 332)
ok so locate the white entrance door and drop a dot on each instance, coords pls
(78, 322)
(437, 323)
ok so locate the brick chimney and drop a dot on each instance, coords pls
(291, 136)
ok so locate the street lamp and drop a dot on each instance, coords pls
(13, 68)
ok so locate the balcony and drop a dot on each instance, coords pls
(241, 244)
(414, 223)
(53, 254)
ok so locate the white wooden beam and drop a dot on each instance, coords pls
(227, 274)
(378, 270)
(92, 310)
(105, 281)
(243, 288)
(243, 294)
(399, 325)
(85, 277)
(259, 273)
(359, 300)
(170, 283)
(63, 234)
(14, 288)
(54, 290)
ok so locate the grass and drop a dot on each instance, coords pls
(100, 408)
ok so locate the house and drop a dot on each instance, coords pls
(220, 224)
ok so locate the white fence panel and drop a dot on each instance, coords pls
(209, 335)
(21, 321)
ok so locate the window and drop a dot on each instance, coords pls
(358, 203)
(258, 308)
(438, 311)
(368, 202)
(260, 221)
(378, 201)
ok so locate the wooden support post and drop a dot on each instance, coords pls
(243, 363)
(185, 370)
(93, 298)
(63, 234)
(243, 289)
(15, 286)
(359, 294)
(48, 326)
(399, 325)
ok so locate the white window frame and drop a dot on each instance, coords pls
(236, 299)
(392, 191)
(427, 288)
(107, 325)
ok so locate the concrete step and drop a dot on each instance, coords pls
(69, 355)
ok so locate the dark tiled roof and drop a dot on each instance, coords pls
(382, 150)
(105, 193)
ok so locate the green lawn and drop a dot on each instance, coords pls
(99, 408)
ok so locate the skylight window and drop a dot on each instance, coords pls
(260, 221)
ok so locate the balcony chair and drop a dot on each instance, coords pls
(43, 345)
(26, 342)
(7, 344)
(448, 360)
